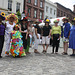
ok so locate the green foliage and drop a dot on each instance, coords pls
(19, 16)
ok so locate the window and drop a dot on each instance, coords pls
(17, 7)
(41, 4)
(50, 10)
(36, 2)
(41, 14)
(10, 5)
(54, 12)
(29, 1)
(46, 8)
(46, 16)
(61, 13)
(64, 13)
(35, 13)
(29, 11)
(50, 17)
(58, 13)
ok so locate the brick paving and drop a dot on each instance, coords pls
(38, 64)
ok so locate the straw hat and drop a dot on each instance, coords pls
(56, 21)
(37, 21)
(12, 15)
(65, 19)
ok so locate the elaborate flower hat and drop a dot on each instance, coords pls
(17, 26)
(37, 21)
(65, 19)
(73, 20)
(25, 18)
(47, 21)
(2, 14)
(56, 21)
(12, 15)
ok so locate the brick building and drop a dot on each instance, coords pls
(35, 8)
(63, 11)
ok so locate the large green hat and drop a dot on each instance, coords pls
(56, 21)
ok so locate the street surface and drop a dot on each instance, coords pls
(38, 64)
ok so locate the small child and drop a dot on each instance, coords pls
(17, 43)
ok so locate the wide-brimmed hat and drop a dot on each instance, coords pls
(73, 20)
(56, 21)
(24, 19)
(12, 15)
(65, 19)
(37, 21)
(47, 21)
(2, 14)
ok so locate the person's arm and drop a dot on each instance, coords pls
(5, 25)
(59, 32)
(52, 33)
(26, 35)
(21, 29)
(68, 31)
(49, 33)
(36, 33)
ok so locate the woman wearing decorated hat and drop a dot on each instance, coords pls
(37, 36)
(46, 32)
(11, 21)
(24, 31)
(56, 33)
(66, 31)
(2, 31)
(72, 38)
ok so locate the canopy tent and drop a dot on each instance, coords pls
(52, 21)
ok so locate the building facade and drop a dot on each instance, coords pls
(50, 10)
(63, 11)
(11, 6)
(35, 8)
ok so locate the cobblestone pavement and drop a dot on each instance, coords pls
(38, 64)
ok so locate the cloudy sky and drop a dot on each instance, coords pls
(66, 3)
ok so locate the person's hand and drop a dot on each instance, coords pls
(41, 37)
(49, 36)
(37, 37)
(26, 38)
(52, 38)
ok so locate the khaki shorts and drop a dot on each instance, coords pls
(45, 40)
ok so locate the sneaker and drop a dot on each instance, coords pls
(52, 53)
(0, 56)
(56, 52)
(72, 55)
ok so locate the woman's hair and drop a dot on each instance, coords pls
(14, 28)
(46, 22)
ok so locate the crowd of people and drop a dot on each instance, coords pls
(20, 37)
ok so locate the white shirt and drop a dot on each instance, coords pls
(9, 27)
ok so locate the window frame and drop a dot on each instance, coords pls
(18, 6)
(10, 5)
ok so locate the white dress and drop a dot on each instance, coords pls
(9, 28)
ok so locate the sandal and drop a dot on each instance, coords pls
(64, 53)
(36, 52)
(44, 51)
